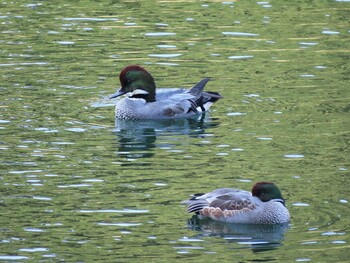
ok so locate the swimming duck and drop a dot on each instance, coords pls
(264, 205)
(144, 103)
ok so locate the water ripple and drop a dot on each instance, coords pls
(33, 229)
(4, 121)
(240, 34)
(35, 249)
(159, 34)
(236, 113)
(240, 57)
(166, 46)
(127, 211)
(294, 156)
(119, 224)
(329, 32)
(93, 19)
(65, 42)
(187, 239)
(74, 185)
(25, 64)
(300, 204)
(11, 257)
(164, 55)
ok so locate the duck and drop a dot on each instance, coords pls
(263, 205)
(145, 102)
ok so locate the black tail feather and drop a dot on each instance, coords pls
(203, 99)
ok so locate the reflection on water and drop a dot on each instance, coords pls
(65, 198)
(257, 237)
(136, 139)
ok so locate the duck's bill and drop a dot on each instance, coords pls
(117, 94)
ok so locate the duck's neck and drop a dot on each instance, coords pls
(146, 97)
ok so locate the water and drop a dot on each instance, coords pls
(78, 187)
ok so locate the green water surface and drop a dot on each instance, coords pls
(77, 188)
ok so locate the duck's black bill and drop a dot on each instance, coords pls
(117, 94)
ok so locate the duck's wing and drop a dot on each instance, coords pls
(192, 101)
(224, 198)
(178, 105)
(181, 102)
(173, 102)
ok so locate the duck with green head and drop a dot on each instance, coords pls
(144, 101)
(264, 205)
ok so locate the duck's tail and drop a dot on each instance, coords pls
(202, 100)
(195, 205)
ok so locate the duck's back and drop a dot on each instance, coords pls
(166, 93)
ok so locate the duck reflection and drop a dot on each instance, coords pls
(136, 139)
(258, 237)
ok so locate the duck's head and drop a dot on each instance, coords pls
(137, 83)
(267, 191)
